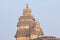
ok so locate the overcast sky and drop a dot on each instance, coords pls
(47, 12)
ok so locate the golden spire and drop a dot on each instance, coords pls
(27, 11)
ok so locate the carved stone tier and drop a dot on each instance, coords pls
(27, 26)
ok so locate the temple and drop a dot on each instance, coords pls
(29, 28)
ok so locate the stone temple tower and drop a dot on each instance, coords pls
(28, 27)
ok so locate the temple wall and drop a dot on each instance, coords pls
(22, 38)
(33, 36)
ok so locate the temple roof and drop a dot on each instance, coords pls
(28, 20)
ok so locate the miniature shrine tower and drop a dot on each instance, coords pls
(28, 27)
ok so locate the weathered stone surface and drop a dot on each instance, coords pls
(30, 29)
(46, 38)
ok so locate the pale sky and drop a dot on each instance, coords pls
(47, 12)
